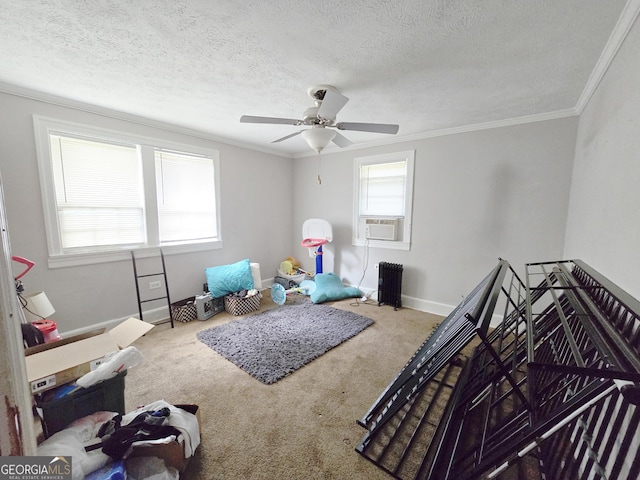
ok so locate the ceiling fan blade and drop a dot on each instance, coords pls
(287, 136)
(332, 103)
(368, 127)
(281, 121)
(341, 140)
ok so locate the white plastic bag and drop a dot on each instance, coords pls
(112, 366)
(70, 442)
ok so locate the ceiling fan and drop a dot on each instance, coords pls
(322, 120)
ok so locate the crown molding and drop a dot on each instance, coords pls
(49, 98)
(538, 117)
(127, 117)
(616, 39)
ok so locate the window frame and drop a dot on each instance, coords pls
(405, 222)
(43, 126)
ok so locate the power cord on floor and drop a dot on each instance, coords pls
(360, 301)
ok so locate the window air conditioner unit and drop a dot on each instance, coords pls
(381, 228)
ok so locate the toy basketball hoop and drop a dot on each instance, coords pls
(314, 242)
(315, 250)
(316, 232)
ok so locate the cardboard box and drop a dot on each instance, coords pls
(54, 364)
(172, 453)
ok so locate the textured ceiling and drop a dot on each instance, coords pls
(426, 65)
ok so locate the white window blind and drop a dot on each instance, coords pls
(105, 192)
(185, 186)
(98, 191)
(383, 188)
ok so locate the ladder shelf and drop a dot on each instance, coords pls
(162, 274)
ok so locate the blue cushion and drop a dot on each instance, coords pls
(229, 278)
(329, 287)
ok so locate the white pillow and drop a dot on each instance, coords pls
(255, 273)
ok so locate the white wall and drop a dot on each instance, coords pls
(256, 219)
(603, 227)
(478, 196)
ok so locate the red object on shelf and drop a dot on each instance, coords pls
(49, 330)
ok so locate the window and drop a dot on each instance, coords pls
(383, 196)
(98, 195)
(185, 213)
(382, 188)
(106, 193)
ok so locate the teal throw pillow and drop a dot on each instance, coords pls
(231, 278)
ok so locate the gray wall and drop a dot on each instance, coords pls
(478, 196)
(88, 295)
(603, 227)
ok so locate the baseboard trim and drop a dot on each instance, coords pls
(436, 308)
(161, 315)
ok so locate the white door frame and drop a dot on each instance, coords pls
(17, 436)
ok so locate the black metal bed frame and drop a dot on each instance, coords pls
(551, 392)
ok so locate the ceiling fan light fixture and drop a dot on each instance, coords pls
(322, 120)
(318, 137)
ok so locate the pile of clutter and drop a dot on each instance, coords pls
(290, 273)
(84, 419)
(155, 441)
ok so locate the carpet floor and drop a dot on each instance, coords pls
(301, 427)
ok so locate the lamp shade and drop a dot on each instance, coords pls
(318, 137)
(38, 307)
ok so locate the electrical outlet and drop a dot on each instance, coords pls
(154, 285)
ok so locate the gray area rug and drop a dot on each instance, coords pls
(274, 343)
